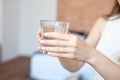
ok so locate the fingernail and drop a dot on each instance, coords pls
(45, 34)
(39, 47)
(41, 41)
(48, 52)
(43, 48)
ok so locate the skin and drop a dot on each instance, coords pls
(70, 49)
(72, 41)
(112, 10)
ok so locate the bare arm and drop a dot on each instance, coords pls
(92, 39)
(73, 48)
(104, 66)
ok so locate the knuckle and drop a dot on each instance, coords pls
(74, 43)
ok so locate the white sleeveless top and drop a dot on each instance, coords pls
(109, 43)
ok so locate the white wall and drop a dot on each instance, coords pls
(21, 20)
(11, 29)
(0, 27)
(31, 13)
(1, 21)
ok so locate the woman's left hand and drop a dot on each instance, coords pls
(66, 45)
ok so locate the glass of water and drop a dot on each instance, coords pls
(53, 26)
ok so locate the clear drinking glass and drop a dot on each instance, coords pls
(53, 26)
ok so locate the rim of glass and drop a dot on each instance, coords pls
(54, 21)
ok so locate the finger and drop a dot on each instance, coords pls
(39, 47)
(57, 35)
(39, 35)
(59, 49)
(65, 55)
(57, 43)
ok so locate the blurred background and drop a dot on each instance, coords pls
(20, 21)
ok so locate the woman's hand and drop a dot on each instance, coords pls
(39, 39)
(65, 45)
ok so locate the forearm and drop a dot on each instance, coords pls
(96, 32)
(105, 67)
(71, 65)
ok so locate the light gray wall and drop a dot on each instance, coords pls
(11, 29)
(21, 20)
(32, 11)
(1, 21)
(0, 27)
